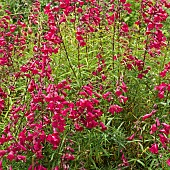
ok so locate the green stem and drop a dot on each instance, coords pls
(67, 56)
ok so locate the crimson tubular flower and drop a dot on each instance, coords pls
(115, 109)
(154, 148)
(149, 115)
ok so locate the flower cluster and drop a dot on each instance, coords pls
(38, 108)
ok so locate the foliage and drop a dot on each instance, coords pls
(84, 84)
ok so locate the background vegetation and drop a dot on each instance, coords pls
(84, 84)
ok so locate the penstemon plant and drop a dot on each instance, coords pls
(84, 84)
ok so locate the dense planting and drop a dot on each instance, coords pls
(85, 84)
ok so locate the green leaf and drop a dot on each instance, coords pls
(139, 161)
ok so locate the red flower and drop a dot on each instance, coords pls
(68, 156)
(2, 153)
(124, 87)
(148, 115)
(0, 164)
(11, 156)
(168, 162)
(123, 99)
(157, 122)
(166, 126)
(1, 105)
(161, 94)
(154, 148)
(125, 161)
(122, 1)
(78, 127)
(103, 126)
(106, 95)
(12, 28)
(118, 92)
(125, 27)
(21, 157)
(115, 108)
(56, 168)
(103, 77)
(163, 140)
(153, 129)
(131, 137)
